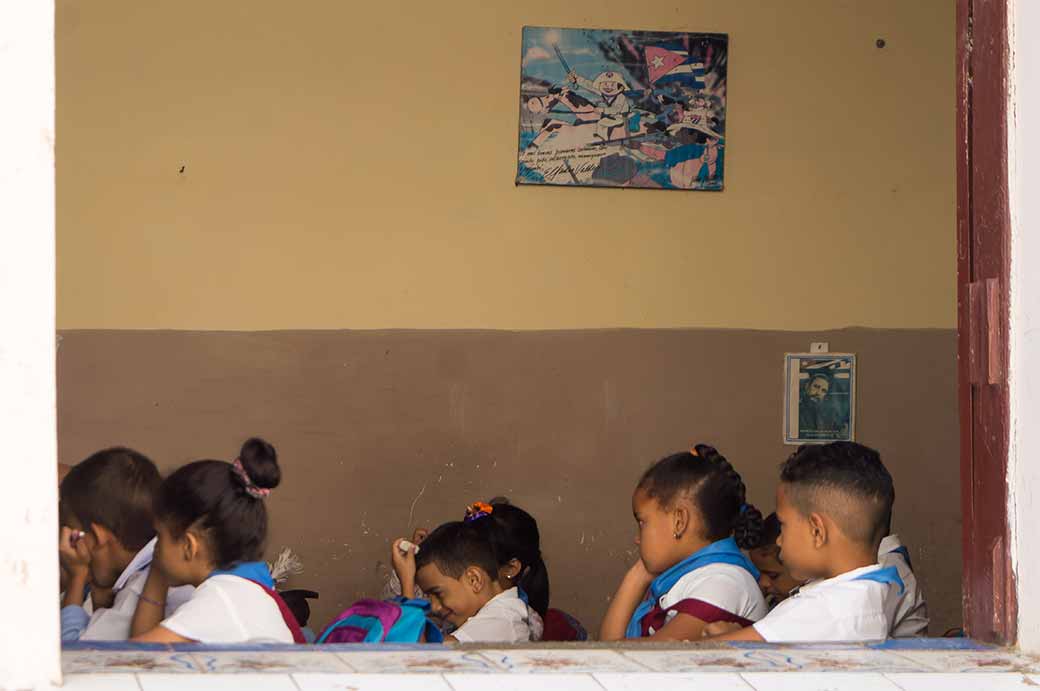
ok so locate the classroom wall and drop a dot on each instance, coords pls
(351, 165)
(379, 432)
(346, 267)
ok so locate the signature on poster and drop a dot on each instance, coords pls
(623, 108)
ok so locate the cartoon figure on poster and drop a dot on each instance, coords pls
(820, 398)
(623, 108)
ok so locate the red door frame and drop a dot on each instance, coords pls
(983, 271)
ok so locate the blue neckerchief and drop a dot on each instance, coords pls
(251, 570)
(905, 553)
(523, 596)
(888, 576)
(721, 552)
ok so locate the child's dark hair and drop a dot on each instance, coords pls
(456, 546)
(862, 489)
(713, 486)
(222, 503)
(770, 532)
(114, 488)
(513, 534)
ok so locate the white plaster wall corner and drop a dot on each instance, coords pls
(1024, 373)
(29, 642)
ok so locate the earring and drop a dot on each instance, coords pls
(675, 535)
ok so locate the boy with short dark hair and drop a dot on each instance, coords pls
(107, 542)
(457, 571)
(834, 503)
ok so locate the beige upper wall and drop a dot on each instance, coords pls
(351, 165)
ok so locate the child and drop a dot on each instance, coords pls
(833, 502)
(457, 570)
(692, 517)
(775, 579)
(107, 541)
(517, 543)
(513, 534)
(911, 617)
(212, 526)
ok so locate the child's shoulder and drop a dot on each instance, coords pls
(860, 584)
(727, 586)
(504, 619)
(507, 605)
(723, 574)
(227, 586)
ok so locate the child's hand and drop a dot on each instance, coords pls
(637, 573)
(404, 566)
(403, 559)
(74, 554)
(719, 628)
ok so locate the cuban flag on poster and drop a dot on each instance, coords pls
(670, 64)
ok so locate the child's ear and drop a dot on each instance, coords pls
(475, 579)
(818, 528)
(510, 571)
(190, 545)
(680, 521)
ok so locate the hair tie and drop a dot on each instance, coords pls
(744, 508)
(250, 486)
(478, 510)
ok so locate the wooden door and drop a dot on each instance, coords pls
(983, 237)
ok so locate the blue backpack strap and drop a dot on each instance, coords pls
(888, 576)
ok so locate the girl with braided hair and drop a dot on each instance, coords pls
(693, 520)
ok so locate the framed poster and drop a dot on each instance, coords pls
(819, 397)
(616, 108)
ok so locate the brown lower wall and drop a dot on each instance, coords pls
(380, 431)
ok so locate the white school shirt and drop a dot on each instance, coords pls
(840, 609)
(912, 612)
(504, 619)
(113, 623)
(719, 586)
(230, 609)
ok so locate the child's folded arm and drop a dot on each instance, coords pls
(160, 635)
(629, 594)
(151, 605)
(682, 627)
(74, 621)
(748, 633)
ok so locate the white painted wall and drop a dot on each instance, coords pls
(1024, 461)
(29, 637)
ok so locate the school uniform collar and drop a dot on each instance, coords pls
(256, 571)
(511, 594)
(840, 578)
(890, 544)
(141, 561)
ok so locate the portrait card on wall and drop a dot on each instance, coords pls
(819, 398)
(607, 108)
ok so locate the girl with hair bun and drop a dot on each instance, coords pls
(212, 528)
